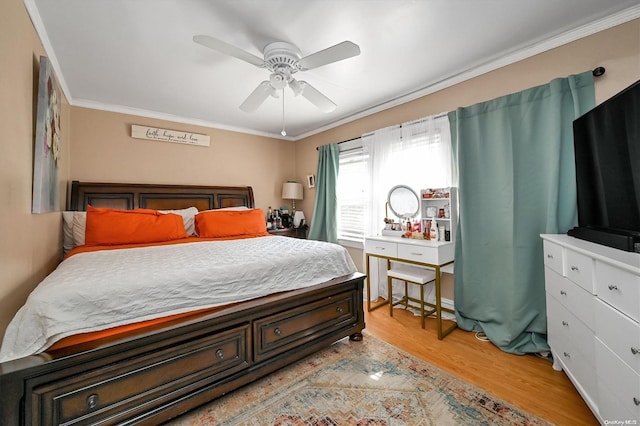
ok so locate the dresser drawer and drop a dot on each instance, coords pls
(566, 327)
(576, 299)
(137, 384)
(619, 333)
(553, 256)
(281, 332)
(619, 288)
(579, 269)
(382, 248)
(579, 370)
(611, 408)
(618, 384)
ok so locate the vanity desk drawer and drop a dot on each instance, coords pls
(381, 248)
(423, 254)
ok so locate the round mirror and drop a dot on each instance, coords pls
(403, 201)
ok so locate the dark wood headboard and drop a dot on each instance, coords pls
(158, 197)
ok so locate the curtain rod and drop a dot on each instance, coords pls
(444, 114)
(348, 140)
(597, 72)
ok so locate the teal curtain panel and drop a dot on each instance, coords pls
(516, 174)
(324, 222)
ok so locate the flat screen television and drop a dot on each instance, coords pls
(607, 156)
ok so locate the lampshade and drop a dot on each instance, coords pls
(292, 191)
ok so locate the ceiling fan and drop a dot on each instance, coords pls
(283, 60)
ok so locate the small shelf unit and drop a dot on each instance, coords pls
(434, 204)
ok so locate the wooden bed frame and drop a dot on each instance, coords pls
(152, 375)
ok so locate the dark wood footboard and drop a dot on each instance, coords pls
(156, 376)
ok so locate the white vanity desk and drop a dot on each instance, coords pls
(433, 254)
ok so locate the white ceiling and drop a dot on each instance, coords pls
(138, 56)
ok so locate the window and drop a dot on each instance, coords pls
(417, 154)
(352, 180)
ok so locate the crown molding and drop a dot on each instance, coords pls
(507, 59)
(543, 46)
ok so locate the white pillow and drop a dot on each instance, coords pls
(67, 231)
(234, 208)
(237, 208)
(79, 228)
(73, 228)
(188, 218)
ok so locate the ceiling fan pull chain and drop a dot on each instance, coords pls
(283, 132)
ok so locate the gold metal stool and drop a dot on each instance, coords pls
(413, 275)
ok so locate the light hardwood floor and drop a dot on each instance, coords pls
(525, 381)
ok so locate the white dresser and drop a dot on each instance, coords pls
(593, 314)
(438, 255)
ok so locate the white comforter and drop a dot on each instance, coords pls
(99, 290)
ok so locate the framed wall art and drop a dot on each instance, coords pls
(311, 181)
(46, 149)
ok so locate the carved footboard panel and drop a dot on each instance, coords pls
(153, 377)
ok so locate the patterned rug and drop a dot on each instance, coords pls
(358, 383)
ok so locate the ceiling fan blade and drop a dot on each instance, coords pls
(336, 53)
(257, 97)
(221, 46)
(312, 94)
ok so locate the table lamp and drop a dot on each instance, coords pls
(293, 191)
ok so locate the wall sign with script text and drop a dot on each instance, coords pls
(164, 135)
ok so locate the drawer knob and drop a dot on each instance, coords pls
(92, 401)
(550, 256)
(613, 287)
(277, 332)
(563, 293)
(381, 248)
(565, 323)
(635, 351)
(416, 254)
(567, 355)
(575, 268)
(636, 401)
(339, 309)
(219, 354)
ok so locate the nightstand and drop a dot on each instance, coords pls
(290, 232)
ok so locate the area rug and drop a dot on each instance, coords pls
(359, 383)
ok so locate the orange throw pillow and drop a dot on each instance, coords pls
(112, 226)
(230, 223)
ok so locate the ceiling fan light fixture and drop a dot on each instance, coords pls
(273, 92)
(278, 80)
(296, 87)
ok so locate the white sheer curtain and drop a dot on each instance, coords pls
(417, 154)
(378, 145)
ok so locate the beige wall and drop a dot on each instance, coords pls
(103, 150)
(30, 244)
(616, 49)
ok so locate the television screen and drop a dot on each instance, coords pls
(607, 155)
